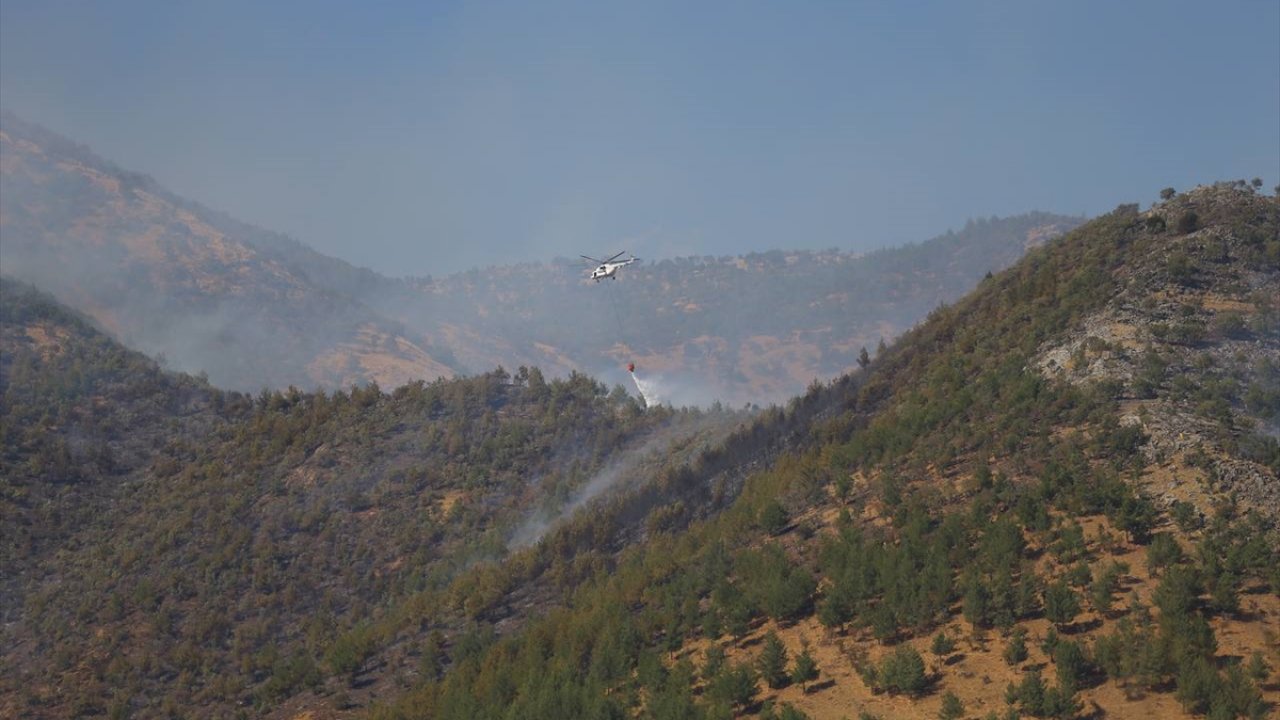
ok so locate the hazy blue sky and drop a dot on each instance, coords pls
(418, 137)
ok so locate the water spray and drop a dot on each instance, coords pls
(649, 396)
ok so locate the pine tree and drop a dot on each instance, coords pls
(902, 671)
(1071, 664)
(1029, 695)
(713, 662)
(1257, 667)
(735, 685)
(977, 601)
(836, 609)
(1061, 604)
(1163, 552)
(773, 661)
(806, 668)
(1104, 586)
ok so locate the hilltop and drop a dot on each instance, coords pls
(1054, 498)
(166, 276)
(252, 308)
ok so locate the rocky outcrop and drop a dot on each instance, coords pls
(1185, 339)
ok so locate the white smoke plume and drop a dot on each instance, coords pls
(627, 465)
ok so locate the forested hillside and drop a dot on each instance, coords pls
(81, 415)
(253, 309)
(172, 548)
(1055, 498)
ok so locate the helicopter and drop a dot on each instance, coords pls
(609, 268)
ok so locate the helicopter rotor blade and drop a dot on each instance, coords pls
(615, 257)
(598, 262)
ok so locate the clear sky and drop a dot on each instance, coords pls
(429, 137)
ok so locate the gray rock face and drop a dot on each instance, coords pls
(1191, 336)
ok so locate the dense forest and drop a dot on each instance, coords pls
(1055, 498)
(169, 545)
(968, 505)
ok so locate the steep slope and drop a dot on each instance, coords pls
(252, 308)
(80, 417)
(172, 278)
(169, 546)
(1061, 489)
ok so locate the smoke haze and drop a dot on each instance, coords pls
(432, 138)
(631, 469)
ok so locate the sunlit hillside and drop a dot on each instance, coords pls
(1056, 498)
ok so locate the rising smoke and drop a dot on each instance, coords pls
(628, 465)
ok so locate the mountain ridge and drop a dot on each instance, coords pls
(967, 491)
(178, 280)
(254, 308)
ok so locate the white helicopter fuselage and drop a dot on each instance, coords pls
(609, 270)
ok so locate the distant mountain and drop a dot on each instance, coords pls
(171, 278)
(749, 328)
(253, 308)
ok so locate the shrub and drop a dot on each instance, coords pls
(1181, 269)
(1015, 651)
(773, 518)
(942, 645)
(952, 708)
(1230, 325)
(1188, 222)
